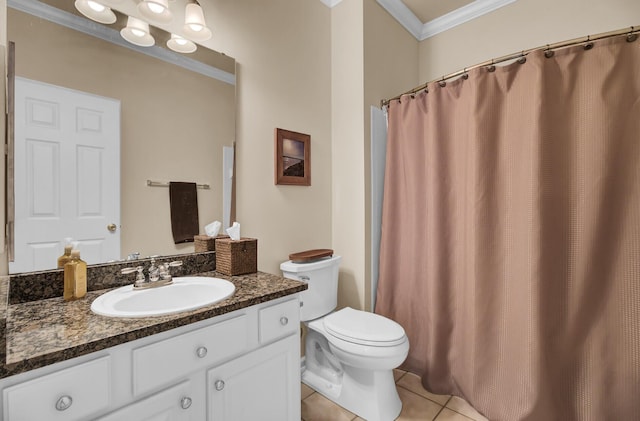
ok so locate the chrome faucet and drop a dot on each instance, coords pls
(157, 275)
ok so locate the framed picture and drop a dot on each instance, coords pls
(292, 158)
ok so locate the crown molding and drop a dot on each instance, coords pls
(422, 31)
(460, 16)
(404, 15)
(330, 3)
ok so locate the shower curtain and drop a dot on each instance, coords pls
(510, 248)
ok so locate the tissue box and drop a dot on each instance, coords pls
(236, 257)
(206, 243)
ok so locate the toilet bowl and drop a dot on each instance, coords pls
(349, 354)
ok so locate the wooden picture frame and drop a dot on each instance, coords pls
(292, 158)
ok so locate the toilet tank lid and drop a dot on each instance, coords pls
(290, 266)
(358, 326)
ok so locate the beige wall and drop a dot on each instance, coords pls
(521, 25)
(390, 67)
(283, 51)
(174, 122)
(347, 73)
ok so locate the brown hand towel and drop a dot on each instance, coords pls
(183, 201)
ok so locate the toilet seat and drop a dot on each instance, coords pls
(364, 328)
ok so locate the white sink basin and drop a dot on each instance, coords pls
(184, 294)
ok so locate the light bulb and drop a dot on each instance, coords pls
(195, 27)
(138, 32)
(156, 8)
(96, 6)
(181, 45)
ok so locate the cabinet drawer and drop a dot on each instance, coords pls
(168, 360)
(176, 404)
(279, 320)
(70, 394)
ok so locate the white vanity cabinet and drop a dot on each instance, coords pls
(243, 365)
(69, 394)
(175, 404)
(253, 386)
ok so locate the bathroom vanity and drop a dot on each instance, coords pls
(235, 360)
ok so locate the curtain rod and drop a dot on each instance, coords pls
(632, 35)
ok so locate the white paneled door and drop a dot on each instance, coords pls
(67, 175)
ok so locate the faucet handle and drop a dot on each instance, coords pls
(165, 269)
(139, 276)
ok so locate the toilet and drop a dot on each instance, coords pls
(349, 354)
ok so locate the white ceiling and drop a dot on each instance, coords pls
(427, 10)
(426, 18)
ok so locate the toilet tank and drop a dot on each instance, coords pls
(322, 278)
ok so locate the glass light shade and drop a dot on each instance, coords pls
(137, 33)
(155, 10)
(195, 26)
(96, 11)
(181, 45)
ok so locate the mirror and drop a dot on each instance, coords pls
(174, 125)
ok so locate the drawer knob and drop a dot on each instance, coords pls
(201, 352)
(64, 403)
(186, 402)
(284, 321)
(219, 385)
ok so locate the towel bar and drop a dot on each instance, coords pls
(165, 184)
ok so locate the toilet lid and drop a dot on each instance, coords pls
(364, 328)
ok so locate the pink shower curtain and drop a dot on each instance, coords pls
(510, 245)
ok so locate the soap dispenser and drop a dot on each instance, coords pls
(75, 277)
(67, 253)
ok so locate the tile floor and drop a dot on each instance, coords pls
(417, 404)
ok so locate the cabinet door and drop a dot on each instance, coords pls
(262, 385)
(174, 404)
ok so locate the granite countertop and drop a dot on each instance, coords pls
(38, 333)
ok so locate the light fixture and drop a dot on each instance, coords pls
(137, 32)
(181, 45)
(96, 11)
(155, 10)
(195, 26)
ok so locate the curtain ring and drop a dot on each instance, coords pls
(442, 83)
(589, 44)
(548, 53)
(465, 75)
(631, 36)
(522, 59)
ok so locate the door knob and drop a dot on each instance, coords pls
(112, 227)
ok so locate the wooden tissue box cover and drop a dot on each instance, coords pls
(236, 257)
(205, 243)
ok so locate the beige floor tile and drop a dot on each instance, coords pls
(460, 405)
(449, 415)
(416, 408)
(305, 391)
(397, 373)
(318, 408)
(412, 382)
